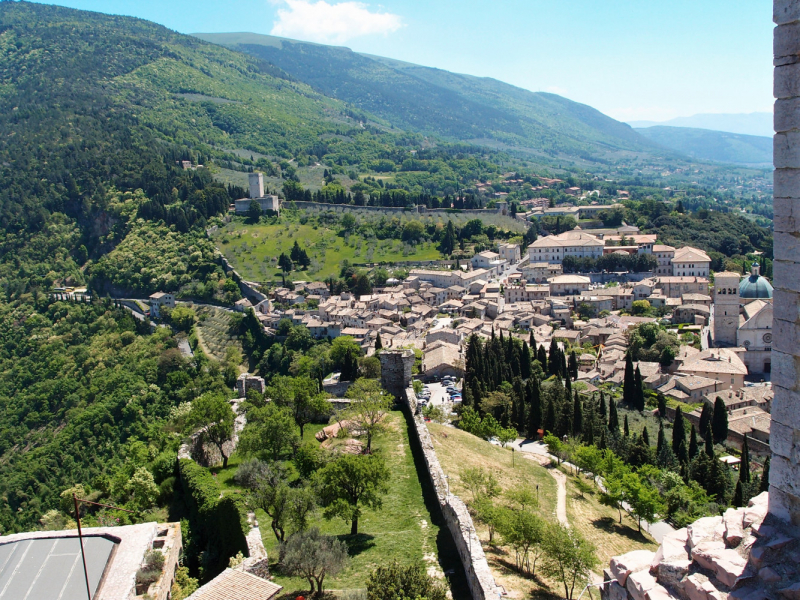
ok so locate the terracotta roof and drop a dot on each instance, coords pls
(237, 585)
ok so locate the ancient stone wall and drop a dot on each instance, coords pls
(396, 368)
(476, 568)
(784, 493)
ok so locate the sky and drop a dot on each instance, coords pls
(631, 59)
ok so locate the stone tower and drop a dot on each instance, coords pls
(256, 185)
(396, 368)
(784, 439)
(726, 308)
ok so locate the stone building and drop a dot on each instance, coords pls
(726, 308)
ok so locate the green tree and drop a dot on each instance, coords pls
(569, 558)
(368, 407)
(448, 242)
(314, 556)
(411, 582)
(719, 421)
(644, 499)
(679, 436)
(254, 211)
(142, 489)
(301, 396)
(350, 484)
(378, 343)
(764, 482)
(525, 531)
(285, 263)
(213, 414)
(182, 317)
(481, 482)
(270, 431)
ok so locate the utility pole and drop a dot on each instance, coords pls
(76, 500)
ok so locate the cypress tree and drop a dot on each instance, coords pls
(662, 405)
(553, 360)
(625, 431)
(602, 445)
(532, 341)
(646, 436)
(764, 483)
(705, 418)
(738, 495)
(628, 382)
(709, 442)
(378, 342)
(603, 406)
(525, 361)
(744, 467)
(541, 356)
(564, 368)
(550, 417)
(577, 416)
(564, 425)
(638, 390)
(589, 423)
(573, 365)
(679, 436)
(661, 441)
(535, 409)
(613, 419)
(719, 421)
(694, 449)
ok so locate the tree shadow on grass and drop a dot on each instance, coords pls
(613, 526)
(356, 544)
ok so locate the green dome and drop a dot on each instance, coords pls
(755, 287)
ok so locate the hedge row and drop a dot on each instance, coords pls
(218, 526)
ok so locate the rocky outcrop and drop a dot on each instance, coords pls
(744, 554)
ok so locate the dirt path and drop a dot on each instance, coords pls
(561, 482)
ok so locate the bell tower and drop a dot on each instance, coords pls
(726, 308)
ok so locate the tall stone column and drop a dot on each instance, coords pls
(784, 492)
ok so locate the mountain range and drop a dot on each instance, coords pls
(461, 107)
(756, 123)
(718, 146)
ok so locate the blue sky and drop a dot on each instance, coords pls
(631, 59)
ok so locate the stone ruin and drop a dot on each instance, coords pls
(245, 382)
(745, 554)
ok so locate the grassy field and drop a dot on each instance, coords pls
(403, 530)
(457, 450)
(254, 249)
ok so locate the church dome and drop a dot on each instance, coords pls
(755, 287)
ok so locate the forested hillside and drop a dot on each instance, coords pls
(447, 104)
(718, 146)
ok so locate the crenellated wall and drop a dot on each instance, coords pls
(784, 492)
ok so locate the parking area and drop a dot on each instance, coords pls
(438, 394)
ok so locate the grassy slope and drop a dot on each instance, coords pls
(457, 450)
(266, 242)
(403, 530)
(436, 101)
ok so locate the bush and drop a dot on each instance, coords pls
(396, 582)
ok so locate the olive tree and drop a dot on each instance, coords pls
(314, 556)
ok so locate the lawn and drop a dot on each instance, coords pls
(457, 450)
(254, 249)
(404, 530)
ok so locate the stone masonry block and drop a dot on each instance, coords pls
(785, 368)
(786, 83)
(786, 334)
(783, 505)
(786, 183)
(785, 11)
(786, 305)
(786, 404)
(786, 268)
(786, 40)
(787, 114)
(639, 584)
(783, 440)
(785, 475)
(786, 150)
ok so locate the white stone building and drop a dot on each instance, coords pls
(554, 248)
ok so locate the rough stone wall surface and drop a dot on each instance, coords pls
(479, 577)
(396, 368)
(785, 433)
